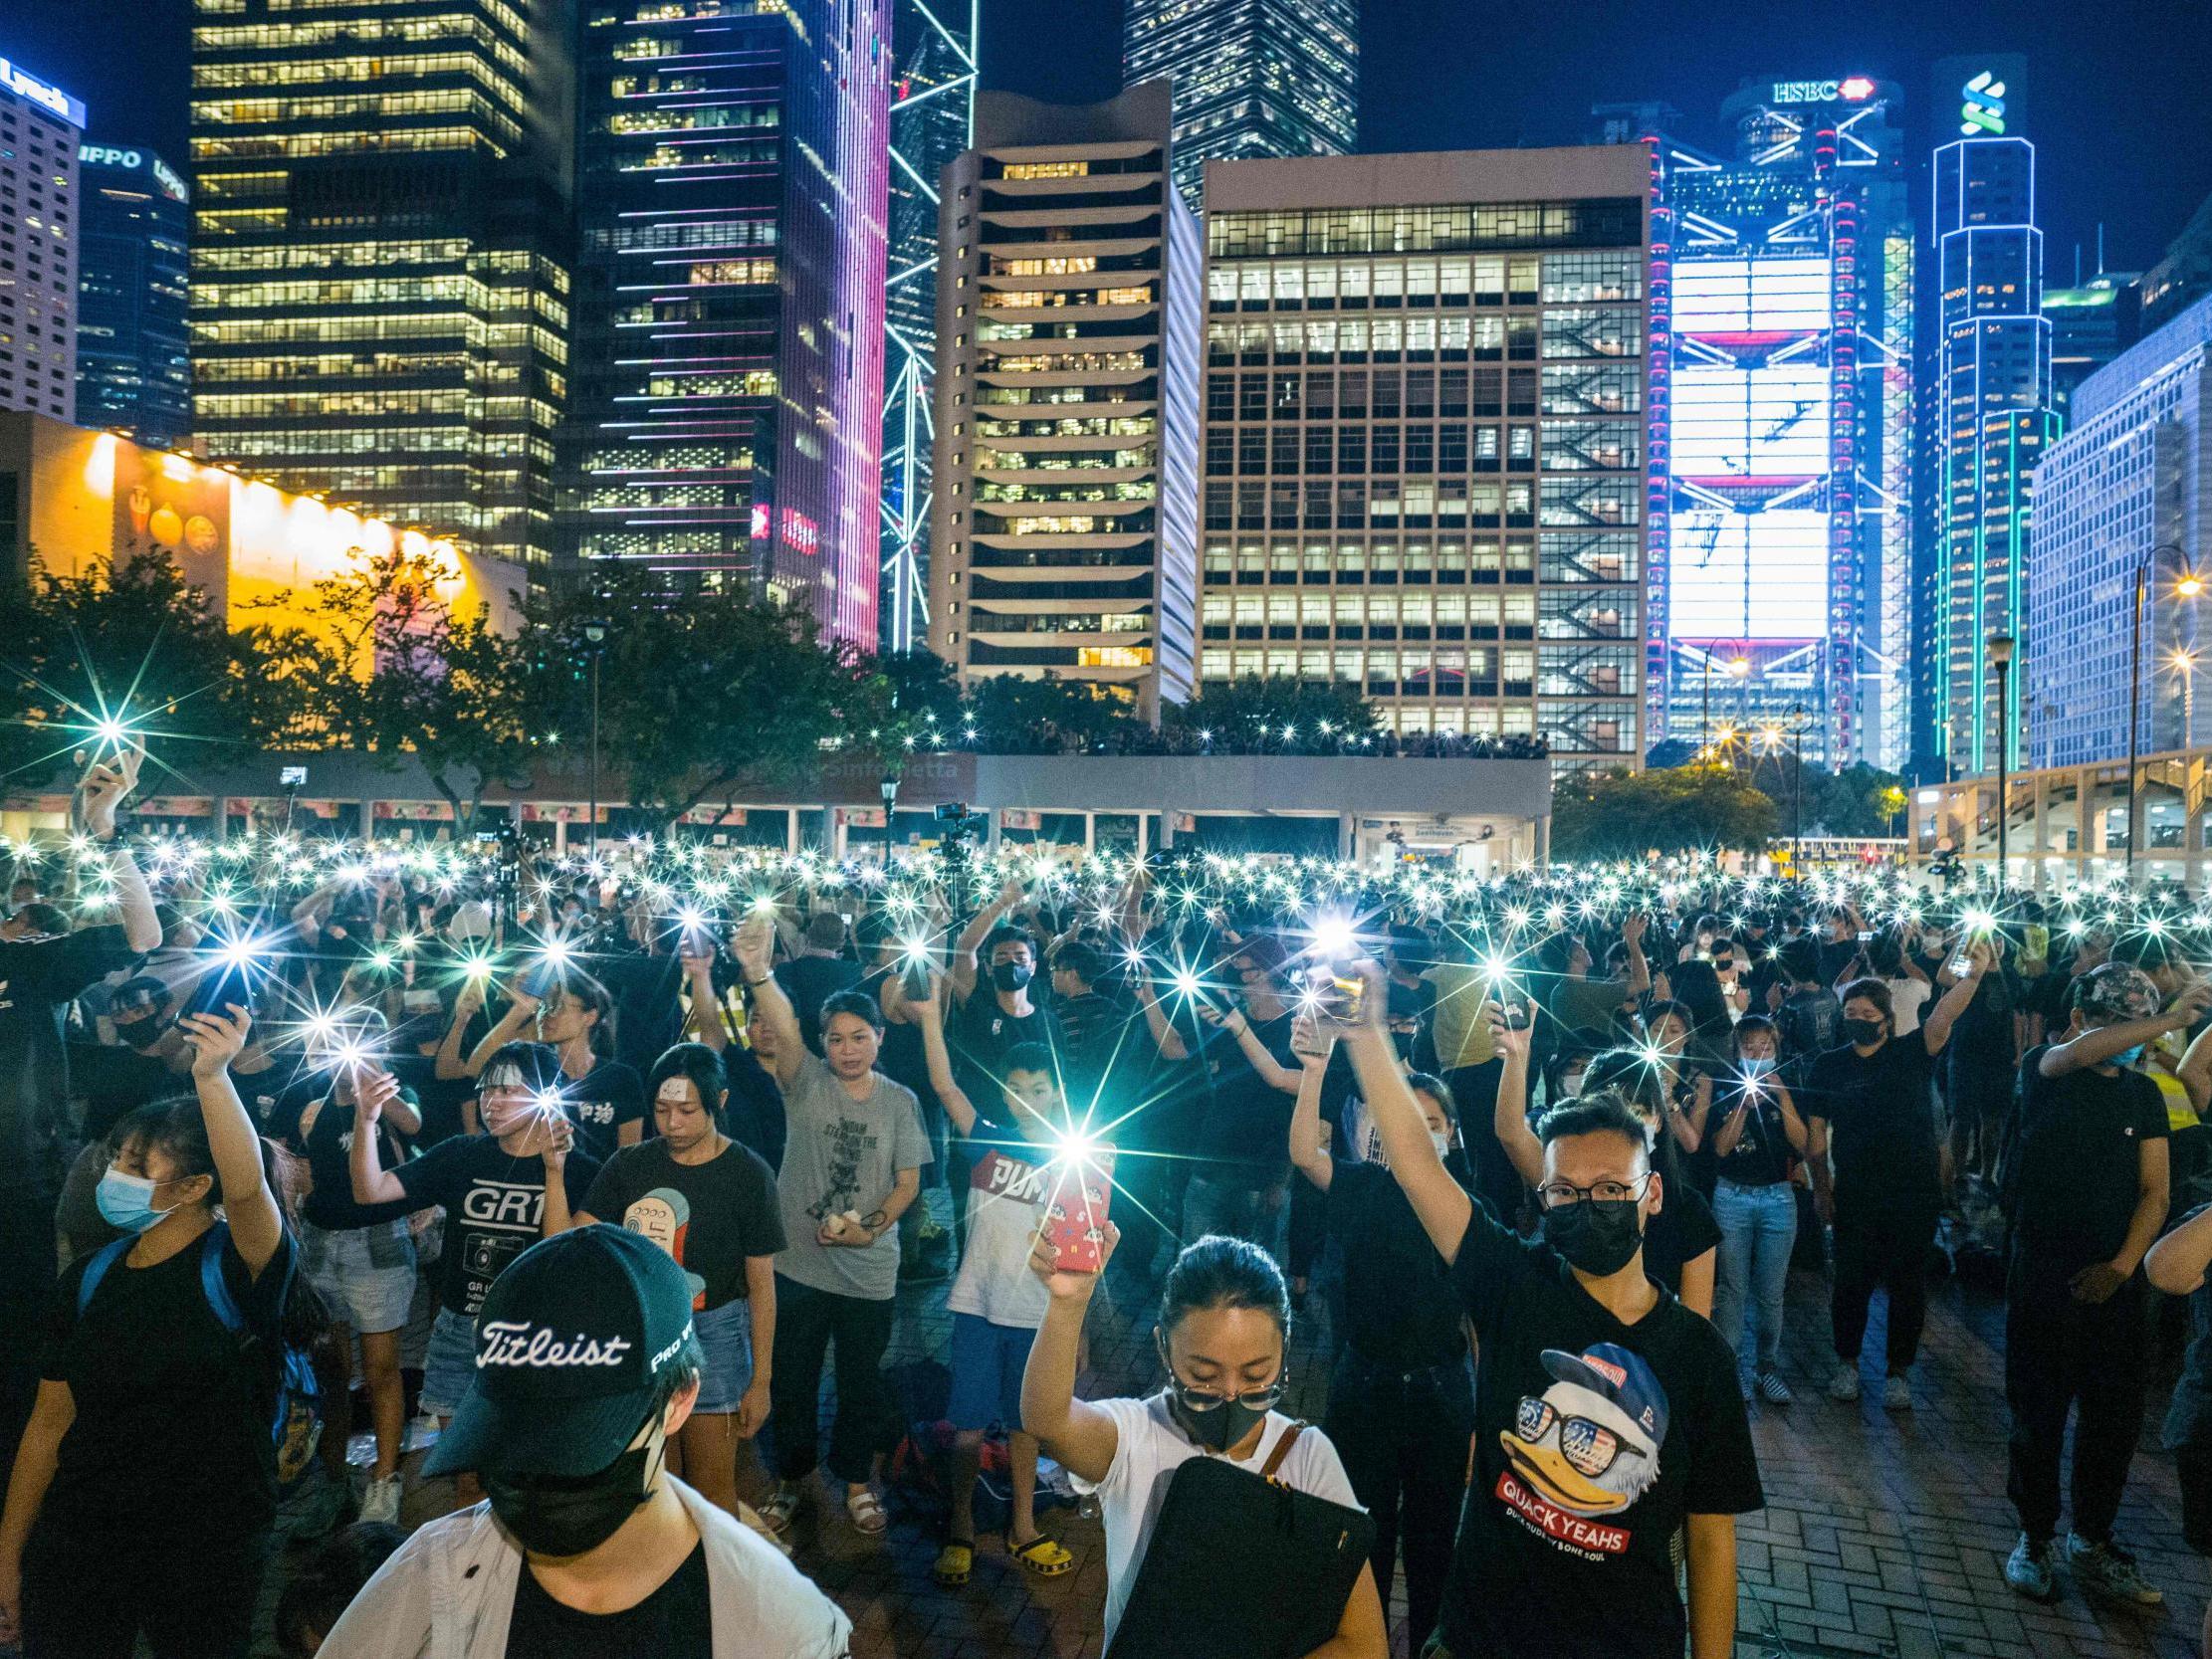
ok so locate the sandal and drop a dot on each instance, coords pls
(954, 1562)
(782, 1505)
(867, 1510)
(1042, 1556)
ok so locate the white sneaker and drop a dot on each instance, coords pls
(380, 1500)
(1843, 1385)
(1896, 1395)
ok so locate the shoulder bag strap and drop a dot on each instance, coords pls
(1282, 1450)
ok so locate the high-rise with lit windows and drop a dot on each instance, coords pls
(40, 221)
(727, 414)
(380, 245)
(1064, 528)
(1426, 395)
(134, 348)
(1253, 77)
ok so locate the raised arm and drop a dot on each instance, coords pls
(1164, 1034)
(961, 972)
(1935, 1028)
(769, 1002)
(1632, 939)
(1273, 1072)
(1308, 1142)
(2102, 1043)
(103, 789)
(2195, 1070)
(256, 1223)
(450, 1065)
(372, 1183)
(561, 1140)
(706, 1004)
(1079, 1437)
(1509, 1116)
(2177, 1263)
(929, 1013)
(1442, 1205)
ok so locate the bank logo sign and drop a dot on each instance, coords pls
(1981, 108)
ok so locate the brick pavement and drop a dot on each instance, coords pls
(1884, 1533)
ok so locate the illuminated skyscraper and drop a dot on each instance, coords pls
(727, 416)
(1782, 421)
(381, 236)
(933, 105)
(40, 220)
(1253, 77)
(133, 346)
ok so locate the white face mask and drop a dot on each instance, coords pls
(1442, 1141)
(1570, 1085)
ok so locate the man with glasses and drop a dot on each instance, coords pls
(1606, 1414)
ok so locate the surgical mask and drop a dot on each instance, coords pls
(2126, 1058)
(127, 1202)
(1570, 1085)
(563, 1515)
(1598, 1236)
(1865, 1033)
(1757, 1065)
(1442, 1141)
(1010, 976)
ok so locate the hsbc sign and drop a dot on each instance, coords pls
(1854, 88)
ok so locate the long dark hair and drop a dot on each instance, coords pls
(1219, 1272)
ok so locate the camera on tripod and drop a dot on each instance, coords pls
(956, 820)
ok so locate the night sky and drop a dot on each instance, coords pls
(2118, 91)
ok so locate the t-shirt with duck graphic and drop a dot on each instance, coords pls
(1594, 1439)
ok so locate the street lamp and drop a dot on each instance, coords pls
(890, 805)
(595, 636)
(1999, 658)
(1799, 719)
(2187, 586)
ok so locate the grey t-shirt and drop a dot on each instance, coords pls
(843, 1154)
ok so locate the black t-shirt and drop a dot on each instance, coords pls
(329, 1144)
(1980, 1052)
(647, 998)
(1245, 1130)
(903, 1060)
(1572, 1558)
(114, 1082)
(675, 1622)
(600, 1103)
(980, 1034)
(753, 1112)
(36, 977)
(1882, 1121)
(495, 1209)
(810, 982)
(709, 1216)
(1762, 1154)
(167, 1401)
(1399, 1309)
(1683, 1230)
(2081, 1139)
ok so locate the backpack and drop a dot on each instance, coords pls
(296, 1426)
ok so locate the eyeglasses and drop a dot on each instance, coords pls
(1558, 1194)
(1590, 1448)
(1192, 1398)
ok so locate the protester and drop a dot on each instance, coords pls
(712, 1206)
(1757, 1143)
(2177, 1266)
(1224, 1327)
(1681, 1242)
(2088, 1197)
(144, 1483)
(603, 1096)
(311, 1603)
(1872, 1143)
(995, 1303)
(586, 1366)
(1401, 1399)
(820, 972)
(851, 1167)
(1605, 1416)
(501, 1190)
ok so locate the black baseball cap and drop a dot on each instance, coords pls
(573, 1343)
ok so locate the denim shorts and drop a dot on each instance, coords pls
(365, 1275)
(450, 1364)
(987, 1363)
(725, 1333)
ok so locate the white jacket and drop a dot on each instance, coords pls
(449, 1591)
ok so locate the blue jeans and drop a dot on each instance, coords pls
(1758, 1227)
(1260, 1215)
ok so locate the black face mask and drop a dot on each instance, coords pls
(1865, 1033)
(568, 1515)
(1012, 977)
(1599, 1236)
(142, 1034)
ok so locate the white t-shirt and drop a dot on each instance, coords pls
(1006, 1198)
(1148, 1451)
(1907, 996)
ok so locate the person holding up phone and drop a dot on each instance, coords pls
(995, 1303)
(145, 1483)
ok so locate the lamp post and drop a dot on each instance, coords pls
(2187, 586)
(595, 636)
(1999, 658)
(1798, 720)
(890, 805)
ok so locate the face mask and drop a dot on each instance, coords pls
(1865, 1033)
(1570, 1085)
(1217, 1427)
(142, 1034)
(2126, 1058)
(558, 1515)
(1441, 1142)
(1010, 976)
(127, 1202)
(1599, 1237)
(1758, 1065)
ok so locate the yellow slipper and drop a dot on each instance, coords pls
(954, 1563)
(1045, 1558)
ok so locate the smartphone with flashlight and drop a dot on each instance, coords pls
(541, 978)
(1336, 996)
(914, 975)
(1076, 1214)
(1519, 1016)
(227, 980)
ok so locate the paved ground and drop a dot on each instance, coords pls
(1884, 1533)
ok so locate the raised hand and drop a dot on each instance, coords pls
(216, 1041)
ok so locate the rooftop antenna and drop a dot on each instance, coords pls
(2101, 247)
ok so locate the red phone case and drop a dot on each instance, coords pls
(1076, 1217)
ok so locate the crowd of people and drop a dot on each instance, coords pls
(599, 1162)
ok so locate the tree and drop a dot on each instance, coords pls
(134, 642)
(1621, 814)
(1243, 712)
(1014, 715)
(699, 690)
(402, 675)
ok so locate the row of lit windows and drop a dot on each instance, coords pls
(352, 106)
(1568, 446)
(449, 288)
(629, 123)
(1057, 461)
(267, 70)
(685, 233)
(1320, 504)
(1563, 332)
(1012, 299)
(760, 382)
(1075, 426)
(1419, 393)
(334, 256)
(298, 147)
(680, 157)
(1554, 278)
(411, 25)
(1444, 671)
(1607, 222)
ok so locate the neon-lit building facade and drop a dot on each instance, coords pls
(1779, 472)
(1253, 77)
(933, 119)
(726, 419)
(40, 125)
(133, 344)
